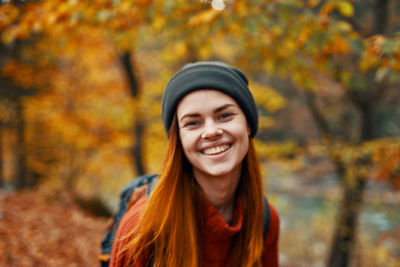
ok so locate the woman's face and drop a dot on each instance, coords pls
(213, 131)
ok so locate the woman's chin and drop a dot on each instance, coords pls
(219, 171)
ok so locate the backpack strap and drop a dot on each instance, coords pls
(152, 184)
(266, 217)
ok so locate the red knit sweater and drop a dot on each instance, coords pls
(217, 237)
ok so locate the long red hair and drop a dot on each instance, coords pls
(168, 232)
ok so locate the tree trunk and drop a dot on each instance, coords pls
(349, 208)
(17, 2)
(70, 177)
(346, 224)
(1, 155)
(137, 148)
(353, 187)
(20, 152)
(381, 16)
(73, 169)
(139, 127)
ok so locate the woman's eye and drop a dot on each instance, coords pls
(225, 115)
(191, 123)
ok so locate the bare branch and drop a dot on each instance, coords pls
(316, 113)
(326, 131)
(130, 73)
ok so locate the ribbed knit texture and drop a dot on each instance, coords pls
(209, 75)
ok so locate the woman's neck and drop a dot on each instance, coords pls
(220, 191)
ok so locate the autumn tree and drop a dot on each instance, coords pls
(12, 94)
(117, 22)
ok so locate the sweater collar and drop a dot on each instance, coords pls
(216, 227)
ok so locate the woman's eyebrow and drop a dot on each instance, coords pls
(190, 115)
(221, 108)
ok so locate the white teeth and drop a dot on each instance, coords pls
(215, 150)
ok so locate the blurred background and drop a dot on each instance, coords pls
(80, 91)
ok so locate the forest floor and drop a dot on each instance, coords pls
(37, 229)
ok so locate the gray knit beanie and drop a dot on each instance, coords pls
(209, 75)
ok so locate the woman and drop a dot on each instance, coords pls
(206, 209)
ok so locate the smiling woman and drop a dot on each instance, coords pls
(207, 207)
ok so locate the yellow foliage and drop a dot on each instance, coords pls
(203, 17)
(269, 65)
(142, 3)
(396, 65)
(8, 14)
(323, 22)
(287, 48)
(345, 8)
(374, 44)
(344, 26)
(303, 78)
(126, 40)
(159, 22)
(265, 122)
(385, 154)
(276, 31)
(327, 8)
(372, 57)
(396, 54)
(239, 6)
(205, 51)
(224, 49)
(378, 159)
(275, 150)
(155, 145)
(313, 3)
(80, 111)
(338, 46)
(303, 37)
(315, 149)
(180, 49)
(369, 61)
(25, 74)
(396, 60)
(377, 251)
(267, 97)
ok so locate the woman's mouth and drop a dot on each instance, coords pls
(215, 150)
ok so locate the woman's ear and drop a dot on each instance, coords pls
(248, 130)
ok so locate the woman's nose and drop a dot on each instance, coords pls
(211, 130)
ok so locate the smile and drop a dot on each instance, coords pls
(215, 150)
